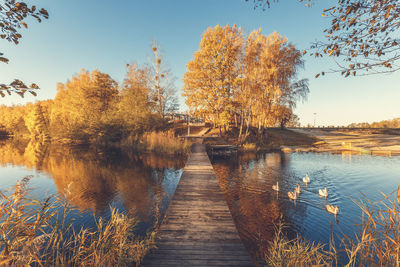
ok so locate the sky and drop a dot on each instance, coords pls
(107, 35)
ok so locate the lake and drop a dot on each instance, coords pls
(142, 184)
(92, 180)
(247, 180)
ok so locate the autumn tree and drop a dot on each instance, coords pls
(363, 33)
(135, 106)
(82, 105)
(38, 124)
(163, 93)
(211, 76)
(269, 85)
(13, 118)
(253, 80)
(13, 16)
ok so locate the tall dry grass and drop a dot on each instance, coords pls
(247, 147)
(296, 252)
(376, 242)
(164, 142)
(39, 233)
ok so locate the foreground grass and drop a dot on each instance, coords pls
(296, 252)
(38, 233)
(376, 243)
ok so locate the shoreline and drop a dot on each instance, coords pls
(363, 142)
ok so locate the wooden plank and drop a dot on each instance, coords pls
(198, 229)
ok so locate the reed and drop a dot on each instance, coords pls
(375, 243)
(247, 147)
(377, 240)
(38, 233)
(296, 252)
(164, 142)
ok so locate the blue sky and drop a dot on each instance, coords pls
(106, 35)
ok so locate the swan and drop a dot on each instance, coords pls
(298, 189)
(332, 209)
(306, 179)
(323, 193)
(292, 195)
(276, 186)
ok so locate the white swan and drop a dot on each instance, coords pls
(332, 209)
(276, 186)
(298, 189)
(292, 195)
(306, 179)
(323, 193)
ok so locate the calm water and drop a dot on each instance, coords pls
(93, 180)
(247, 184)
(143, 184)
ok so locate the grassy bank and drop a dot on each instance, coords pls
(270, 139)
(39, 233)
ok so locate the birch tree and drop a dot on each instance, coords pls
(213, 74)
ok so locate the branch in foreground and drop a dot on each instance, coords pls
(18, 87)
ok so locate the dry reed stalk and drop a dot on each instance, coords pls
(38, 233)
(377, 240)
(164, 142)
(296, 252)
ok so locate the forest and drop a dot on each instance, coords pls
(93, 108)
(233, 80)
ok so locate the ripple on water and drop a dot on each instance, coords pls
(247, 185)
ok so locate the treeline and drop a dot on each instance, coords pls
(394, 123)
(250, 81)
(94, 108)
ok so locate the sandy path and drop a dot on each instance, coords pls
(363, 141)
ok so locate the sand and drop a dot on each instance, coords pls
(368, 141)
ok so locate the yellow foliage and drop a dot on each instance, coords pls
(210, 78)
(82, 103)
(230, 78)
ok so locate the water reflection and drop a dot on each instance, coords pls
(255, 209)
(92, 179)
(247, 180)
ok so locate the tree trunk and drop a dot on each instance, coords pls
(248, 125)
(236, 121)
(241, 127)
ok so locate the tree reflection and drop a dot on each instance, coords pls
(92, 178)
(247, 186)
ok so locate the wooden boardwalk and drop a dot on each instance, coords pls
(198, 229)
